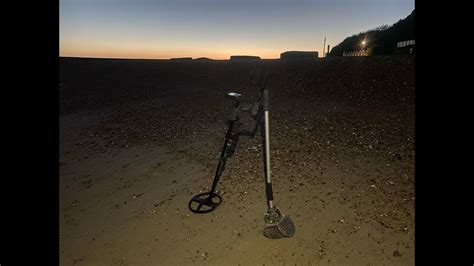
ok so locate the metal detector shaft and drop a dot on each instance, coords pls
(222, 158)
(208, 201)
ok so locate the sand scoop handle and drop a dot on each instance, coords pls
(268, 180)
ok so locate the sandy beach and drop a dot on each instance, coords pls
(139, 138)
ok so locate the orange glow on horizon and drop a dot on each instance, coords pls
(118, 47)
(163, 55)
(134, 51)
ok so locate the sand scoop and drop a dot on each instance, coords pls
(277, 224)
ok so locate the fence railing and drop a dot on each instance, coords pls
(356, 53)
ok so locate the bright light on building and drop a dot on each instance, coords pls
(363, 42)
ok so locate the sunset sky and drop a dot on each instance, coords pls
(215, 29)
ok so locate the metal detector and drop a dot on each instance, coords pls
(277, 225)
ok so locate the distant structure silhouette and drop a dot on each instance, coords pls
(324, 45)
(405, 47)
(299, 55)
(244, 57)
(182, 59)
(203, 59)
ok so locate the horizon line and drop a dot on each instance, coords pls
(167, 59)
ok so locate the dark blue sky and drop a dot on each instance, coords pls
(215, 29)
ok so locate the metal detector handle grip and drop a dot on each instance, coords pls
(265, 79)
(266, 100)
(269, 191)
